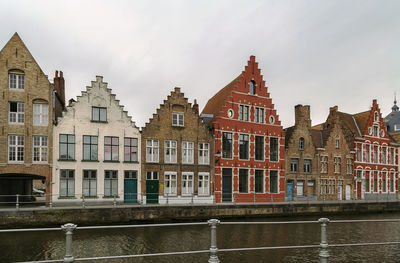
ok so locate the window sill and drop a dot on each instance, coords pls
(110, 161)
(152, 162)
(187, 163)
(67, 197)
(203, 195)
(110, 196)
(170, 195)
(66, 160)
(178, 126)
(98, 121)
(130, 162)
(92, 161)
(13, 123)
(90, 197)
(16, 162)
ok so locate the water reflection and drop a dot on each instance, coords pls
(89, 243)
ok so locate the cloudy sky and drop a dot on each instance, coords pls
(321, 53)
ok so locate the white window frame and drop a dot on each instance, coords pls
(307, 166)
(170, 183)
(40, 114)
(349, 166)
(67, 183)
(244, 112)
(187, 152)
(259, 115)
(19, 81)
(152, 151)
(40, 149)
(170, 151)
(16, 145)
(337, 164)
(187, 183)
(178, 119)
(204, 153)
(324, 164)
(204, 184)
(16, 117)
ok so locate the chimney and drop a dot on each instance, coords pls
(59, 87)
(302, 115)
(196, 106)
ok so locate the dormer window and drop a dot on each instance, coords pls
(99, 114)
(16, 80)
(252, 87)
(375, 131)
(301, 143)
(177, 119)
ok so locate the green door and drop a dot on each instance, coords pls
(130, 187)
(152, 188)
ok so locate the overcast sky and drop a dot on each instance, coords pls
(321, 53)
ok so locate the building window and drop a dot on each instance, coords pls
(243, 181)
(337, 143)
(170, 183)
(152, 176)
(336, 161)
(307, 166)
(375, 185)
(187, 183)
(204, 183)
(301, 143)
(396, 127)
(273, 149)
(99, 114)
(294, 165)
(384, 155)
(384, 182)
(204, 153)
(90, 148)
(252, 87)
(259, 181)
(391, 155)
(324, 187)
(324, 164)
(375, 154)
(15, 148)
(16, 112)
(376, 116)
(152, 151)
(67, 183)
(259, 148)
(40, 114)
(111, 148)
(170, 155)
(243, 113)
(243, 146)
(177, 119)
(227, 145)
(359, 152)
(367, 184)
(67, 147)
(366, 153)
(130, 149)
(273, 182)
(16, 81)
(331, 187)
(40, 148)
(188, 152)
(259, 115)
(110, 183)
(89, 183)
(349, 166)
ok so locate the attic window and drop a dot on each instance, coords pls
(376, 116)
(252, 87)
(99, 114)
(301, 143)
(177, 119)
(16, 80)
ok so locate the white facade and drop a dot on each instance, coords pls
(79, 171)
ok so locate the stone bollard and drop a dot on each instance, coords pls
(68, 228)
(323, 253)
(213, 248)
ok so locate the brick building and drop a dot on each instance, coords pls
(249, 140)
(27, 110)
(373, 151)
(177, 152)
(301, 145)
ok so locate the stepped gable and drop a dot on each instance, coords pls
(166, 102)
(86, 95)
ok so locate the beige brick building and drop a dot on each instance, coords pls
(26, 118)
(177, 152)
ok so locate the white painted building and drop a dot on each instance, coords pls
(96, 150)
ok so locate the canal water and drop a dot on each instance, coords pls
(17, 247)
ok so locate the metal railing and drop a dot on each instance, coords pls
(213, 250)
(18, 201)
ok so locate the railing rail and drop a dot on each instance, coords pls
(213, 250)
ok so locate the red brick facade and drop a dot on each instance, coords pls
(249, 140)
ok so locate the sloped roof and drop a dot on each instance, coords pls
(350, 122)
(362, 119)
(215, 104)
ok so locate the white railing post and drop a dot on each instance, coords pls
(68, 228)
(323, 253)
(17, 202)
(115, 201)
(213, 248)
(50, 201)
(83, 201)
